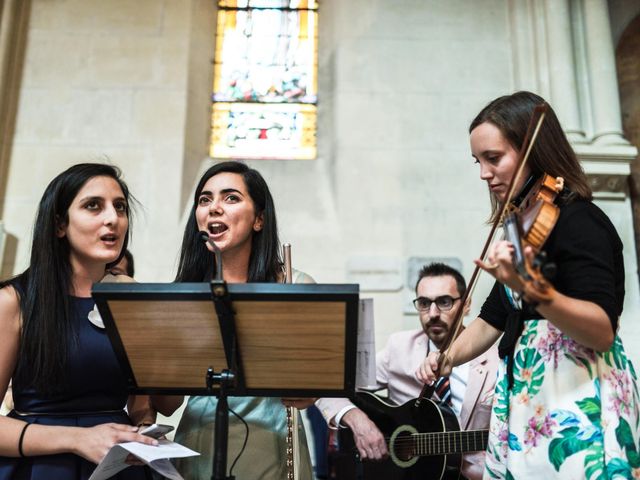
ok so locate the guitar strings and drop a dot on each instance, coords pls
(430, 436)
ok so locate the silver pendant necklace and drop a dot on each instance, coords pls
(95, 318)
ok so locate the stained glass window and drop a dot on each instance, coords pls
(265, 79)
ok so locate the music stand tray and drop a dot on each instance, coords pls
(293, 340)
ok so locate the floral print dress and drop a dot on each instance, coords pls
(572, 412)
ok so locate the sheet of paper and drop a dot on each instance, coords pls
(366, 352)
(165, 468)
(111, 464)
(155, 457)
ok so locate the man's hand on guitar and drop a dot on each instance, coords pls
(428, 371)
(368, 438)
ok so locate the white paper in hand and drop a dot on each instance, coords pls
(156, 457)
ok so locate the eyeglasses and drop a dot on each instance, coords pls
(443, 302)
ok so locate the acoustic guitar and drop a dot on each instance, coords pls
(424, 442)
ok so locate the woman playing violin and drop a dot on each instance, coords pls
(566, 400)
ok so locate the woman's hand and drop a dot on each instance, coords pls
(430, 371)
(299, 403)
(95, 442)
(499, 264)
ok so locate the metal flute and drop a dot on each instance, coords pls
(293, 453)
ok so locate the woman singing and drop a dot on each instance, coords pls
(233, 204)
(68, 390)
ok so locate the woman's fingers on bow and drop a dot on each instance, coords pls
(427, 372)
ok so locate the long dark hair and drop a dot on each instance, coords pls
(265, 264)
(44, 288)
(551, 152)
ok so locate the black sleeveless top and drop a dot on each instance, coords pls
(94, 381)
(95, 392)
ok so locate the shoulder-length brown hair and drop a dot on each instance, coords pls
(551, 153)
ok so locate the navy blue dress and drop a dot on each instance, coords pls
(96, 394)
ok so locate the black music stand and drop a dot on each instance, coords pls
(267, 339)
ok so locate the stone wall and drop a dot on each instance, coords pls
(109, 81)
(394, 183)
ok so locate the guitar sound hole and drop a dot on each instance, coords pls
(404, 446)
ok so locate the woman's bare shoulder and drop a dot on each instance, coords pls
(9, 309)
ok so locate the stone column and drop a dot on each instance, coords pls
(14, 18)
(2, 239)
(562, 76)
(601, 69)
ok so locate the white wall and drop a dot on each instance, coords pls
(105, 81)
(399, 83)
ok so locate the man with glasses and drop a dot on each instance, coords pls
(470, 391)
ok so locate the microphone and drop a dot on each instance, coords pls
(204, 236)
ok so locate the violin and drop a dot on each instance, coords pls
(529, 224)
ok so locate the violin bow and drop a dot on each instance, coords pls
(535, 123)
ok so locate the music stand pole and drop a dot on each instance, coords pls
(226, 378)
(221, 432)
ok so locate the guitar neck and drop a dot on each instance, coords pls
(446, 443)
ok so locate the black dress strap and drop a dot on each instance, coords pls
(514, 326)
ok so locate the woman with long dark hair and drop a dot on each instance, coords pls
(566, 400)
(68, 390)
(233, 204)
